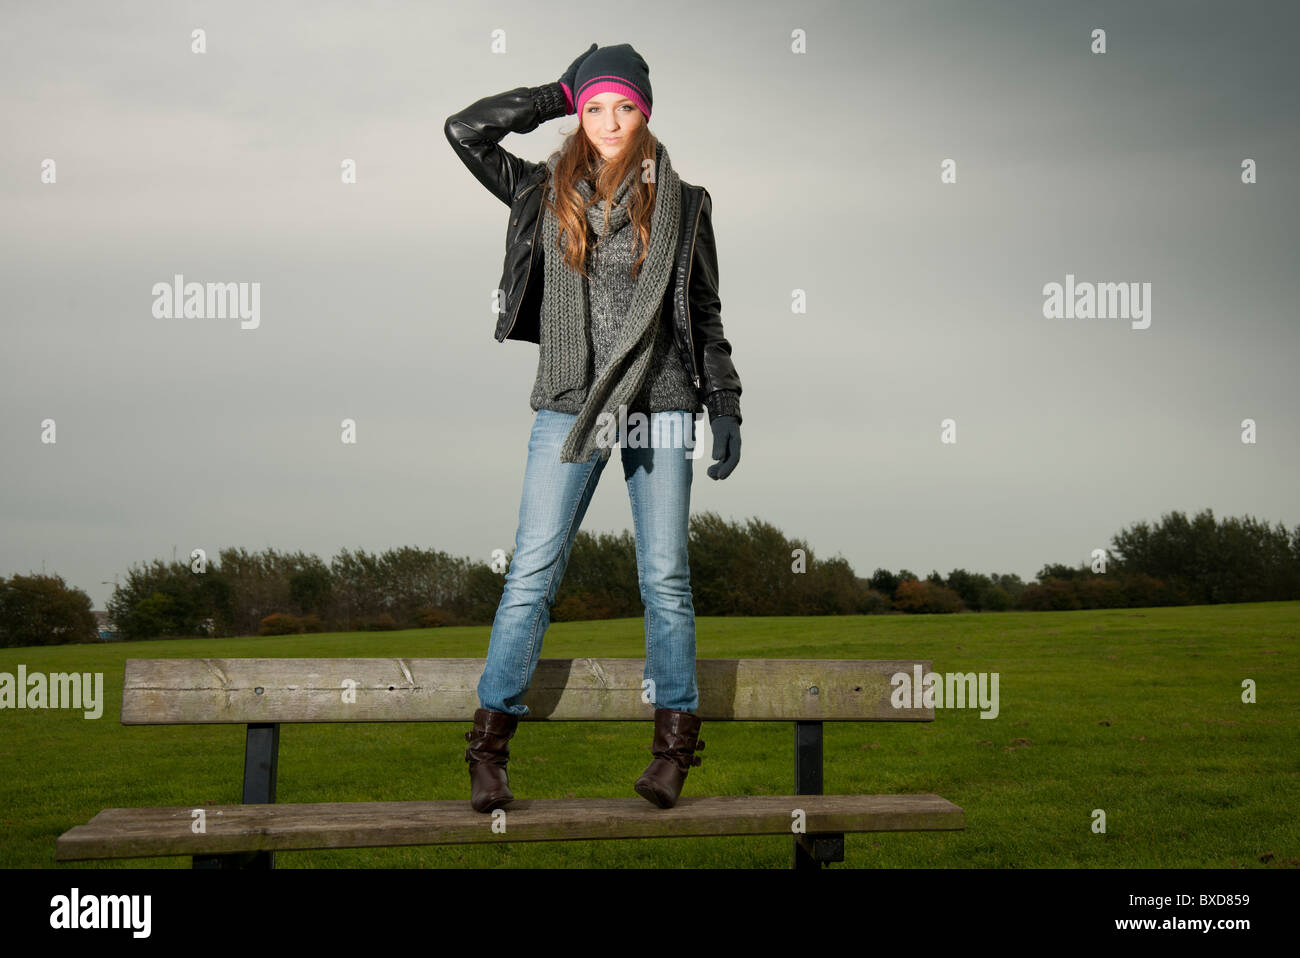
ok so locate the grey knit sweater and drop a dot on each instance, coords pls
(609, 291)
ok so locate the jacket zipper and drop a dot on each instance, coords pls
(689, 262)
(536, 227)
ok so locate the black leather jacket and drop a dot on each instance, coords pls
(691, 305)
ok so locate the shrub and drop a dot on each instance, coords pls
(874, 602)
(915, 595)
(280, 623)
(1053, 595)
(994, 598)
(432, 617)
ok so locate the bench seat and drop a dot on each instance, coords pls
(152, 832)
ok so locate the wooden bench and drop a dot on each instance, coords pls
(266, 693)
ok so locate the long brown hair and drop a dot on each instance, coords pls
(579, 159)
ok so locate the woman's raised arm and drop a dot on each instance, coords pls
(476, 131)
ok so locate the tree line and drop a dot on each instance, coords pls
(737, 568)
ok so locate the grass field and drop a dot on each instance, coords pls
(1134, 711)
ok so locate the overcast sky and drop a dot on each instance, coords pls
(925, 299)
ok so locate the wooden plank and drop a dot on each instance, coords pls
(201, 691)
(150, 832)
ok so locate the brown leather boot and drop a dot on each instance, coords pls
(675, 743)
(488, 752)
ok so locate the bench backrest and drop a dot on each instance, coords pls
(256, 691)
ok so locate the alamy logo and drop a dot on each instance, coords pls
(647, 432)
(58, 690)
(1098, 301)
(917, 691)
(102, 911)
(181, 300)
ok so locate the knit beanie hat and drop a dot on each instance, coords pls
(615, 69)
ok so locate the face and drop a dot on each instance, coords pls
(609, 120)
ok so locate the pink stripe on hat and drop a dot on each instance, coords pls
(611, 84)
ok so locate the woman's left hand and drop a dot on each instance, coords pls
(726, 446)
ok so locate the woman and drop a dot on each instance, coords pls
(611, 269)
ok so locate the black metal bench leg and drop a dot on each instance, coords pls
(261, 757)
(812, 851)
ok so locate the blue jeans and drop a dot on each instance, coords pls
(555, 499)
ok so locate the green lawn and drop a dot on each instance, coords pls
(1134, 711)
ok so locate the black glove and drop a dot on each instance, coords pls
(726, 442)
(569, 77)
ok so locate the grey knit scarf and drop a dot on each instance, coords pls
(624, 375)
